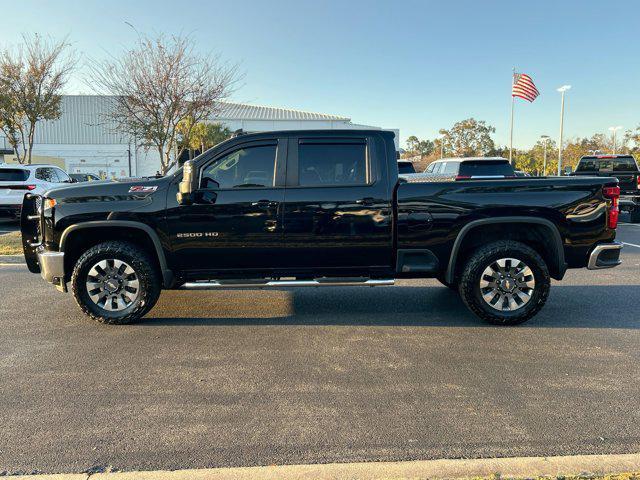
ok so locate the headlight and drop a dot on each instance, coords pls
(47, 206)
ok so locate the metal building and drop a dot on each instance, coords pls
(81, 141)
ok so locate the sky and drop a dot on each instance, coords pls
(413, 65)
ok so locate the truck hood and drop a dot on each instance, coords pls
(130, 187)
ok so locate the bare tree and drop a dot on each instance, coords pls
(158, 84)
(32, 78)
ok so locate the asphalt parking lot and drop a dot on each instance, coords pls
(330, 375)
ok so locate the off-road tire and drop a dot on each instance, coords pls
(469, 286)
(139, 260)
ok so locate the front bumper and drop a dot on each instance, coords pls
(52, 268)
(605, 255)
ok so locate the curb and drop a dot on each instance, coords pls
(526, 467)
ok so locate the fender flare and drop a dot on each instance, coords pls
(167, 274)
(553, 229)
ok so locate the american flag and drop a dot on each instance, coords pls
(524, 87)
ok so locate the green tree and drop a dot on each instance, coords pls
(200, 136)
(469, 137)
(415, 147)
(631, 140)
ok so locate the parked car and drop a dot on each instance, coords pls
(317, 208)
(84, 177)
(16, 180)
(521, 173)
(625, 169)
(469, 168)
(405, 167)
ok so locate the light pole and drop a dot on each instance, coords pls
(562, 90)
(545, 139)
(614, 130)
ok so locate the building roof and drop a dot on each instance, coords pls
(231, 110)
(83, 119)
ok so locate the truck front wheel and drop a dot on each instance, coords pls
(505, 283)
(115, 282)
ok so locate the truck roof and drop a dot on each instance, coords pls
(27, 167)
(468, 159)
(337, 132)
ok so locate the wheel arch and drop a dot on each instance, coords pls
(554, 258)
(113, 226)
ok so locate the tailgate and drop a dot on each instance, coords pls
(628, 182)
(30, 228)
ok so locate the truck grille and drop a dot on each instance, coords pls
(31, 220)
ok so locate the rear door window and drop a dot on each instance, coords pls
(327, 164)
(13, 175)
(486, 168)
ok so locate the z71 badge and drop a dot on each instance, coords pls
(142, 189)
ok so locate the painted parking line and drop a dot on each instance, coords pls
(631, 244)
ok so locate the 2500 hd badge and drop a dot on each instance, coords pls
(196, 234)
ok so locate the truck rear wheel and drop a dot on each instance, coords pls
(635, 215)
(115, 283)
(505, 283)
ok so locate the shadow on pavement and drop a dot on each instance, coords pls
(567, 307)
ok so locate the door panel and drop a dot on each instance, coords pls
(236, 221)
(338, 212)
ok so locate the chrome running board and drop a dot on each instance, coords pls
(215, 284)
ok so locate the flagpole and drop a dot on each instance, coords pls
(512, 103)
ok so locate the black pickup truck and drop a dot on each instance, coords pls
(625, 169)
(316, 208)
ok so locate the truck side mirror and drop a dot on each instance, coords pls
(189, 184)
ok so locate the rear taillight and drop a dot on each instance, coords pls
(463, 177)
(638, 182)
(21, 187)
(612, 193)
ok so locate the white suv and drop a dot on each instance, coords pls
(16, 180)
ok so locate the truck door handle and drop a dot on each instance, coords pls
(264, 204)
(365, 201)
